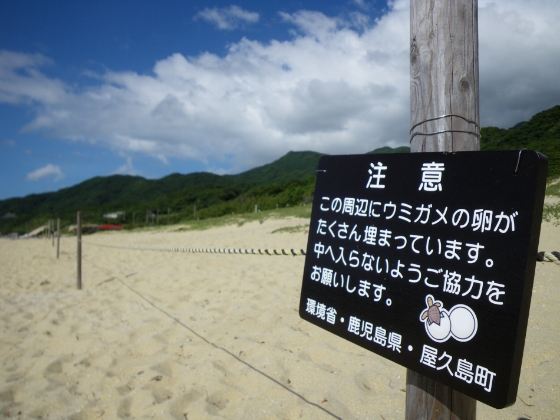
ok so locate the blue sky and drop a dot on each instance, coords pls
(94, 88)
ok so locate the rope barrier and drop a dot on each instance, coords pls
(549, 256)
(271, 252)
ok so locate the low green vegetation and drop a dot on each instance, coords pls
(553, 187)
(293, 229)
(551, 213)
(302, 211)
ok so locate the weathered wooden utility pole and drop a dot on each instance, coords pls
(444, 75)
(444, 117)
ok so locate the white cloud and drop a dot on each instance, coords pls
(44, 172)
(336, 86)
(329, 88)
(519, 59)
(10, 143)
(127, 168)
(361, 3)
(228, 18)
(22, 82)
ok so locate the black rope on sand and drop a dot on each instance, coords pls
(270, 252)
(553, 256)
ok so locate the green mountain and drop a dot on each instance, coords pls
(286, 181)
(540, 133)
(123, 190)
(293, 165)
(105, 193)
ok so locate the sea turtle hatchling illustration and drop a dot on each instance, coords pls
(432, 313)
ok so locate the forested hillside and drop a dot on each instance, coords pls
(540, 133)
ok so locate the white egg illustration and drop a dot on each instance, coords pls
(463, 323)
(439, 332)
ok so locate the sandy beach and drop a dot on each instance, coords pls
(162, 335)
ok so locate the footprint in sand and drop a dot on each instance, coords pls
(124, 408)
(181, 403)
(54, 367)
(161, 395)
(163, 368)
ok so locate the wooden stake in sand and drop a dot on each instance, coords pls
(57, 238)
(444, 117)
(79, 236)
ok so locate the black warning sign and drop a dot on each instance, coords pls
(428, 259)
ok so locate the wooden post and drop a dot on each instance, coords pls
(444, 107)
(58, 238)
(79, 236)
(167, 215)
(53, 232)
(444, 75)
